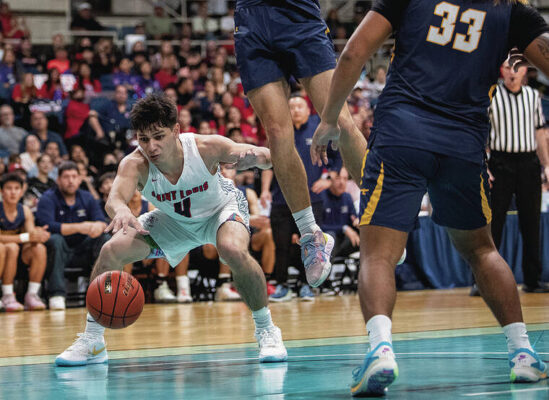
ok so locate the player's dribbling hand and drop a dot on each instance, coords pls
(254, 157)
(124, 219)
(323, 134)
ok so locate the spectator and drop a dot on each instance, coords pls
(205, 129)
(24, 93)
(116, 121)
(29, 58)
(104, 186)
(105, 59)
(185, 121)
(85, 81)
(340, 219)
(11, 136)
(226, 24)
(124, 74)
(61, 61)
(12, 28)
(207, 100)
(39, 126)
(158, 26)
(234, 120)
(9, 69)
(76, 224)
(78, 155)
(185, 93)
(218, 119)
(166, 75)
(165, 51)
(31, 154)
(84, 19)
(52, 89)
(19, 235)
(202, 25)
(39, 182)
(83, 125)
(87, 181)
(145, 83)
(332, 20)
(52, 150)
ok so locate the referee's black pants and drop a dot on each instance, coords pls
(519, 174)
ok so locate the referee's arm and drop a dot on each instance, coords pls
(543, 149)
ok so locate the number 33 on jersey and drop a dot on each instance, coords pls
(444, 34)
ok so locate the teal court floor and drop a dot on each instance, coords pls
(454, 364)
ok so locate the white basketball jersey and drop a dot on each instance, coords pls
(197, 194)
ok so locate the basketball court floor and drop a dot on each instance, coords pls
(447, 344)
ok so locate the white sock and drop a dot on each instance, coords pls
(517, 336)
(305, 221)
(379, 330)
(7, 289)
(162, 275)
(93, 327)
(33, 288)
(262, 318)
(182, 282)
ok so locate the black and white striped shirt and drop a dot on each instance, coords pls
(515, 118)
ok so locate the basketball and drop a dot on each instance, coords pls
(115, 299)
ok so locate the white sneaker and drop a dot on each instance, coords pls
(57, 303)
(184, 293)
(225, 292)
(86, 349)
(1, 305)
(271, 347)
(163, 294)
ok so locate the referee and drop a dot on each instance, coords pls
(517, 134)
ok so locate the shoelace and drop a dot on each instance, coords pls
(310, 249)
(82, 342)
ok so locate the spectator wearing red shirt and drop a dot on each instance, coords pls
(25, 91)
(85, 81)
(52, 88)
(234, 120)
(166, 74)
(61, 61)
(83, 124)
(219, 119)
(185, 120)
(11, 27)
(171, 93)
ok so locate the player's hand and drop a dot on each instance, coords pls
(122, 220)
(323, 134)
(491, 178)
(254, 157)
(516, 59)
(353, 236)
(39, 234)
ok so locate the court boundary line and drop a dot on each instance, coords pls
(333, 341)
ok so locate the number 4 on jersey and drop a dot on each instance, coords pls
(183, 207)
(442, 35)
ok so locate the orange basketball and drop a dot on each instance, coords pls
(115, 299)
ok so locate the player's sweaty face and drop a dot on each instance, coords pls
(155, 142)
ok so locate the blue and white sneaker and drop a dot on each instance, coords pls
(526, 366)
(316, 249)
(86, 349)
(281, 294)
(271, 347)
(306, 294)
(377, 372)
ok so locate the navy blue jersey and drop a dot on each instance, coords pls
(311, 7)
(15, 226)
(444, 69)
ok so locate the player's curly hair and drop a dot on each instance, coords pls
(153, 112)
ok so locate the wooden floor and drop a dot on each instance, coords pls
(168, 326)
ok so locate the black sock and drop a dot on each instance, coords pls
(160, 280)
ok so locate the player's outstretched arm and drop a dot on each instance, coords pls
(217, 149)
(537, 53)
(368, 37)
(130, 174)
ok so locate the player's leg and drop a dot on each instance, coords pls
(232, 245)
(270, 103)
(352, 143)
(35, 256)
(391, 191)
(10, 269)
(121, 249)
(464, 209)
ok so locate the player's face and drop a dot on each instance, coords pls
(12, 192)
(158, 143)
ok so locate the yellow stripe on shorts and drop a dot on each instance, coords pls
(486, 210)
(374, 199)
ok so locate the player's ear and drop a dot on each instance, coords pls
(176, 129)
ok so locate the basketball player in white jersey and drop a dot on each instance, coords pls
(195, 205)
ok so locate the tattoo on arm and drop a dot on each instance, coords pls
(542, 42)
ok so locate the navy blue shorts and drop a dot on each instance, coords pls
(273, 43)
(394, 180)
